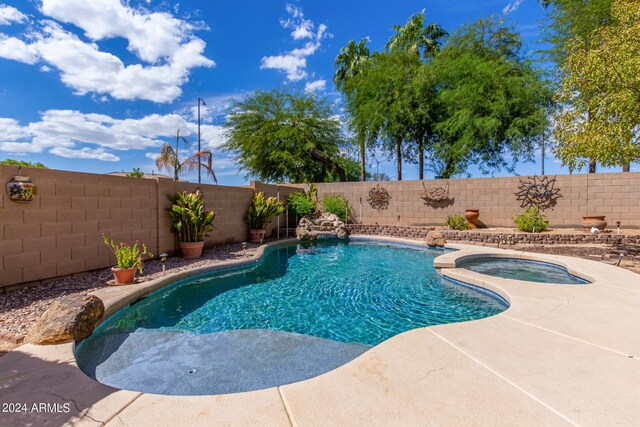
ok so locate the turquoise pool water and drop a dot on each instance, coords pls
(357, 292)
(520, 269)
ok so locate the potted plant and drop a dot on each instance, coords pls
(191, 222)
(128, 259)
(261, 212)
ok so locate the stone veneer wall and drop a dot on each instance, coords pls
(59, 233)
(494, 238)
(616, 195)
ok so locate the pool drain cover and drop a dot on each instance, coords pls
(191, 371)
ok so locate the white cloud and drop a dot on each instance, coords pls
(315, 86)
(84, 153)
(73, 134)
(10, 14)
(512, 7)
(17, 50)
(165, 45)
(294, 62)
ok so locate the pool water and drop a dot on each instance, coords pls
(520, 269)
(358, 292)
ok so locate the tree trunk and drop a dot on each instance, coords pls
(399, 156)
(421, 157)
(626, 167)
(449, 169)
(322, 158)
(363, 170)
(592, 165)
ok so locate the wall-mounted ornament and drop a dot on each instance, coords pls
(379, 198)
(538, 192)
(21, 189)
(436, 196)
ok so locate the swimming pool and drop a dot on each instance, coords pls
(310, 307)
(522, 269)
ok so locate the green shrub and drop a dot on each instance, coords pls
(337, 205)
(12, 162)
(262, 210)
(303, 204)
(457, 222)
(190, 220)
(531, 221)
(135, 173)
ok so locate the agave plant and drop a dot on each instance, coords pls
(190, 220)
(262, 211)
(170, 161)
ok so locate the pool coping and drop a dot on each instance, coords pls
(516, 363)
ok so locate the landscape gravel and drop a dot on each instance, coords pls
(20, 308)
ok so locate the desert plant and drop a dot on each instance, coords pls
(337, 205)
(190, 220)
(303, 204)
(457, 222)
(128, 256)
(532, 220)
(262, 210)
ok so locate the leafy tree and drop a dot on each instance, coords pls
(422, 41)
(12, 162)
(600, 90)
(569, 21)
(135, 173)
(281, 136)
(169, 160)
(349, 63)
(382, 101)
(490, 100)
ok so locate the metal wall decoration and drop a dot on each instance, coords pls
(538, 192)
(436, 196)
(379, 198)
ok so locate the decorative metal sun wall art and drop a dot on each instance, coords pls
(379, 198)
(538, 192)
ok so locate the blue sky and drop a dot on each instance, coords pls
(99, 86)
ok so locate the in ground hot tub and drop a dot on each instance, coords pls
(521, 269)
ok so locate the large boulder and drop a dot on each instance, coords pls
(326, 226)
(435, 238)
(68, 318)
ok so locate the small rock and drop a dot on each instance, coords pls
(435, 238)
(68, 318)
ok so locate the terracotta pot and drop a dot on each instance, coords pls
(472, 216)
(256, 235)
(191, 249)
(21, 189)
(589, 222)
(124, 276)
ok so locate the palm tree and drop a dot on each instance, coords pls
(348, 64)
(416, 36)
(422, 40)
(169, 160)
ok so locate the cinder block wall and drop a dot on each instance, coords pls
(59, 233)
(616, 195)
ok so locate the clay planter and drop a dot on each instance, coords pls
(256, 235)
(589, 222)
(472, 216)
(124, 276)
(191, 249)
(21, 189)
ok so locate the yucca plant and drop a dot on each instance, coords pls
(262, 211)
(191, 221)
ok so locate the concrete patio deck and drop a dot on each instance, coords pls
(560, 355)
